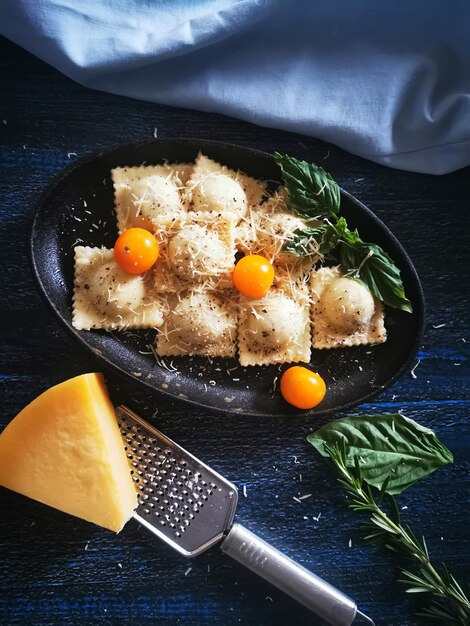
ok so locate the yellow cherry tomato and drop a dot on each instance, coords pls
(253, 276)
(136, 250)
(302, 388)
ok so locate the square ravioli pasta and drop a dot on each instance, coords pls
(344, 313)
(267, 228)
(144, 193)
(108, 298)
(199, 322)
(215, 187)
(198, 249)
(275, 328)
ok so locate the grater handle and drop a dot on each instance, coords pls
(278, 569)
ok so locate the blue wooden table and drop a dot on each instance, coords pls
(55, 569)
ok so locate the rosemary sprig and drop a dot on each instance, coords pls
(449, 603)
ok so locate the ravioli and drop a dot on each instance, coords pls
(200, 323)
(106, 297)
(215, 187)
(266, 230)
(275, 328)
(144, 193)
(195, 250)
(344, 313)
(203, 215)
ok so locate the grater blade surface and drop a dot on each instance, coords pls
(180, 499)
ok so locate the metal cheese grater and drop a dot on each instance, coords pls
(191, 507)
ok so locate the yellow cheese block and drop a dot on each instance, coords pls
(65, 450)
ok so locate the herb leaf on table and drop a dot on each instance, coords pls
(389, 447)
(341, 442)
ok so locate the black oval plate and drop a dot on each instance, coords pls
(77, 208)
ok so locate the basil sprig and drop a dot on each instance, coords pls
(314, 194)
(390, 453)
(389, 447)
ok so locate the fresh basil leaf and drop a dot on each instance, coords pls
(374, 267)
(388, 447)
(312, 192)
(316, 239)
(312, 240)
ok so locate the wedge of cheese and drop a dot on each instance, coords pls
(65, 450)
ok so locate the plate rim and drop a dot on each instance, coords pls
(419, 308)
